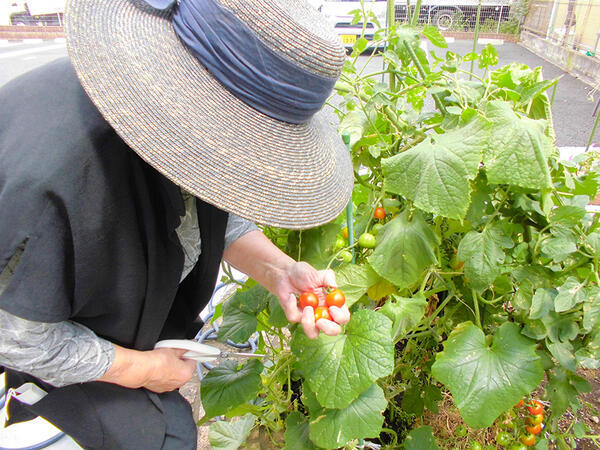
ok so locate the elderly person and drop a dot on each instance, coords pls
(128, 171)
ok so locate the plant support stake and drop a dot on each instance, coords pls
(475, 38)
(349, 220)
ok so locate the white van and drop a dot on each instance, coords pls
(338, 13)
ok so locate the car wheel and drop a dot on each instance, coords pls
(444, 19)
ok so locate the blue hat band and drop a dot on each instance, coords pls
(244, 65)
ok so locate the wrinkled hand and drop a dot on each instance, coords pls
(299, 277)
(169, 371)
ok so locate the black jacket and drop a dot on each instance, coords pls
(98, 225)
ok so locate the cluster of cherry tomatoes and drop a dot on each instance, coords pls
(534, 424)
(333, 298)
(365, 240)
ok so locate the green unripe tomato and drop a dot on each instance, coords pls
(518, 446)
(375, 229)
(367, 240)
(460, 431)
(345, 256)
(474, 445)
(503, 438)
(339, 244)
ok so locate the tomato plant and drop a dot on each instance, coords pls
(528, 440)
(503, 438)
(535, 429)
(487, 262)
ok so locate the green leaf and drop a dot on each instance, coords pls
(483, 255)
(404, 250)
(563, 389)
(316, 245)
(567, 215)
(487, 380)
(593, 241)
(354, 281)
(517, 151)
(354, 123)
(412, 402)
(297, 432)
(239, 314)
(571, 293)
(339, 368)
(277, 316)
(383, 288)
(563, 353)
(435, 37)
(433, 395)
(542, 303)
(421, 439)
(435, 174)
(562, 243)
(405, 314)
(230, 435)
(363, 418)
(591, 309)
(561, 327)
(226, 386)
(489, 57)
(588, 357)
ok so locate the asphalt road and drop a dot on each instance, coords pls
(572, 108)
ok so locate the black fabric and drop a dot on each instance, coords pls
(101, 248)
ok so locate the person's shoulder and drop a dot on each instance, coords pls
(49, 128)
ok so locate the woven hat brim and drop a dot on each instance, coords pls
(176, 116)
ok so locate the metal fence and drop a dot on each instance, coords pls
(496, 17)
(572, 23)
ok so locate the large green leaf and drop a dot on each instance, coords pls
(226, 386)
(486, 380)
(542, 303)
(405, 249)
(354, 281)
(363, 418)
(230, 435)
(483, 255)
(571, 293)
(421, 439)
(435, 174)
(314, 246)
(517, 151)
(435, 37)
(339, 368)
(239, 313)
(405, 314)
(297, 432)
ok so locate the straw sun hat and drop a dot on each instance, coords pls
(276, 161)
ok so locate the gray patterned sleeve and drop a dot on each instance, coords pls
(236, 228)
(58, 353)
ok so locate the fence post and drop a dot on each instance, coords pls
(499, 19)
(550, 29)
(475, 38)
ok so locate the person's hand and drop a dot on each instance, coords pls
(159, 370)
(299, 277)
(169, 371)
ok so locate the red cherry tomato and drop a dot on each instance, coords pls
(335, 298)
(308, 299)
(535, 429)
(528, 440)
(535, 408)
(322, 312)
(518, 405)
(379, 213)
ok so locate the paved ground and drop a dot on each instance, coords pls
(572, 106)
